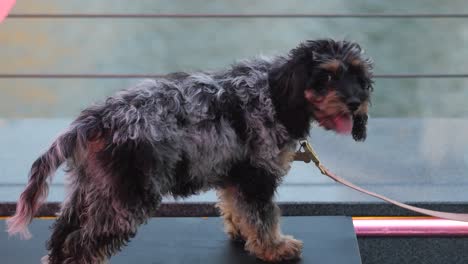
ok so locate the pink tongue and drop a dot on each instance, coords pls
(343, 124)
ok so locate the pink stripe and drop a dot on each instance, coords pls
(410, 227)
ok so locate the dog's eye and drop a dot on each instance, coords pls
(332, 77)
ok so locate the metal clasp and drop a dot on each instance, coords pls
(306, 154)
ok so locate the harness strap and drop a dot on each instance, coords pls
(308, 154)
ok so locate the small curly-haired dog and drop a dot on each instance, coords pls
(234, 130)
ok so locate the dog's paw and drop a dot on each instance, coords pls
(290, 248)
(286, 248)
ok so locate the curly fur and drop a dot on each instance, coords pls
(233, 130)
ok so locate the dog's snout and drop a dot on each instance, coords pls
(353, 104)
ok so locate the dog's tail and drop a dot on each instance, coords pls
(37, 189)
(65, 146)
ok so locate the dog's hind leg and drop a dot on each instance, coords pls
(116, 195)
(107, 224)
(66, 223)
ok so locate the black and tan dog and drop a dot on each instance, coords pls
(234, 130)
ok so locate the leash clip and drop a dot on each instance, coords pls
(308, 154)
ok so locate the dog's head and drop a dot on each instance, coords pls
(331, 81)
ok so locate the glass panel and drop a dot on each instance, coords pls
(416, 148)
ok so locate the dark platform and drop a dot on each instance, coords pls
(201, 240)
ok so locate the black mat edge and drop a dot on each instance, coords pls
(192, 209)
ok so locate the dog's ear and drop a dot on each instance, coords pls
(289, 82)
(359, 131)
(291, 78)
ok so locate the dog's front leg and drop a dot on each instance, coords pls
(249, 211)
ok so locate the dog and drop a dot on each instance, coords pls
(234, 130)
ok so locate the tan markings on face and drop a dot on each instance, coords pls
(331, 65)
(327, 105)
(363, 108)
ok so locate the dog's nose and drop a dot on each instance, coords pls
(353, 105)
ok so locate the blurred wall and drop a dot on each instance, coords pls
(165, 45)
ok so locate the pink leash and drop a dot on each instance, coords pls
(308, 154)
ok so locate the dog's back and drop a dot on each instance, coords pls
(194, 124)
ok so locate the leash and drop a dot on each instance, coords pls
(308, 154)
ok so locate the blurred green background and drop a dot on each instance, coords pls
(165, 45)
